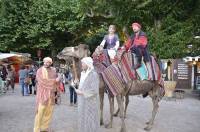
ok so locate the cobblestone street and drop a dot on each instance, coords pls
(17, 114)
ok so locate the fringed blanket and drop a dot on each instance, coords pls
(101, 61)
(125, 65)
(156, 72)
(128, 73)
(113, 78)
(116, 76)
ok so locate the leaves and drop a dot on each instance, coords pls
(48, 24)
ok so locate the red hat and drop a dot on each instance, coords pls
(136, 24)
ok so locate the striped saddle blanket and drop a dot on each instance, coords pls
(116, 76)
(148, 71)
(101, 61)
(113, 79)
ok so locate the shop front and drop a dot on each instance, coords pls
(176, 70)
(194, 63)
(197, 76)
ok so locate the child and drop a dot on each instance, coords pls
(111, 42)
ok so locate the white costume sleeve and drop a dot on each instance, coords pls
(117, 45)
(103, 43)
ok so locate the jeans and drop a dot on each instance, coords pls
(73, 95)
(24, 88)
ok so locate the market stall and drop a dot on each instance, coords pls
(15, 60)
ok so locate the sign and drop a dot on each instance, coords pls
(182, 71)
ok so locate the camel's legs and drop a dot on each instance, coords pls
(121, 107)
(155, 101)
(111, 101)
(126, 104)
(101, 96)
(117, 112)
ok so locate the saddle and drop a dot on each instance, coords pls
(116, 76)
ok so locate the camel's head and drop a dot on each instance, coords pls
(80, 51)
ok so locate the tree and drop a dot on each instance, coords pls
(170, 25)
(52, 25)
(44, 24)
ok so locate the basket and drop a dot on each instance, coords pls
(169, 88)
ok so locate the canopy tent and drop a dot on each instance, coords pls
(8, 55)
(13, 58)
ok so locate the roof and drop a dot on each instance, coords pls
(13, 58)
(189, 58)
(8, 55)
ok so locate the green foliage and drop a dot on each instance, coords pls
(94, 37)
(172, 41)
(28, 25)
(43, 24)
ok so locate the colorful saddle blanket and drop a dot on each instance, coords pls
(142, 72)
(101, 61)
(115, 76)
(150, 71)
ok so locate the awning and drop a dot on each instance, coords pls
(8, 55)
(190, 59)
(13, 58)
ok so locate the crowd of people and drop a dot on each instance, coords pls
(87, 90)
(26, 75)
(7, 78)
(40, 82)
(27, 80)
(48, 81)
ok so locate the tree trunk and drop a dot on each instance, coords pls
(157, 23)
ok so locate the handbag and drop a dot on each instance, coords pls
(61, 87)
(27, 80)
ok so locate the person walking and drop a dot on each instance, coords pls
(10, 80)
(3, 75)
(73, 95)
(88, 98)
(23, 80)
(32, 74)
(47, 83)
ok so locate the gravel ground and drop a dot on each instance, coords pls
(181, 115)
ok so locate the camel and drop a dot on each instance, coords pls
(133, 87)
